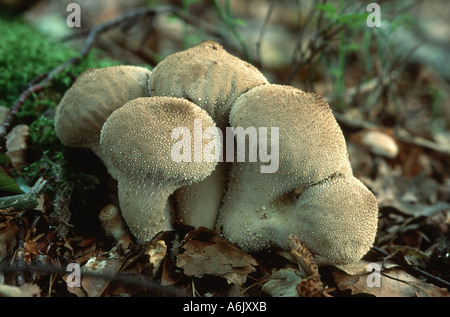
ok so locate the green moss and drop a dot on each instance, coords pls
(26, 54)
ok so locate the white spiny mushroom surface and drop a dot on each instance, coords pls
(137, 139)
(313, 194)
(260, 210)
(212, 78)
(337, 218)
(311, 144)
(93, 97)
(207, 75)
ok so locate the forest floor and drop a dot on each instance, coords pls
(393, 80)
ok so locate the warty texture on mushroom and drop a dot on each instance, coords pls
(313, 194)
(137, 139)
(90, 101)
(213, 79)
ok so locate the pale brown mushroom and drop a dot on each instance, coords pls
(137, 139)
(207, 75)
(213, 79)
(92, 98)
(112, 222)
(312, 192)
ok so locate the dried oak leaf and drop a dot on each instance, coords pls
(97, 274)
(204, 252)
(16, 143)
(8, 232)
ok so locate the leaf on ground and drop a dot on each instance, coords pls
(360, 278)
(17, 144)
(97, 273)
(157, 252)
(416, 196)
(204, 252)
(283, 283)
(8, 232)
(8, 184)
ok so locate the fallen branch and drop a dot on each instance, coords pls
(19, 202)
(131, 279)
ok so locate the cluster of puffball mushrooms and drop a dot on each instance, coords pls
(126, 114)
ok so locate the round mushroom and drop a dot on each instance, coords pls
(112, 221)
(92, 98)
(213, 79)
(137, 138)
(262, 209)
(207, 75)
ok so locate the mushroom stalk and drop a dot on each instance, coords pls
(145, 206)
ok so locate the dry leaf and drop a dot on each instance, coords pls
(304, 281)
(8, 231)
(283, 283)
(157, 252)
(206, 253)
(105, 267)
(361, 278)
(16, 143)
(416, 196)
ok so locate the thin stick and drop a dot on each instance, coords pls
(132, 279)
(433, 279)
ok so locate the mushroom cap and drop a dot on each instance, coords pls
(311, 144)
(112, 222)
(380, 143)
(92, 98)
(207, 75)
(137, 138)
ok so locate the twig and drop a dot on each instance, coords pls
(399, 133)
(433, 279)
(18, 202)
(138, 280)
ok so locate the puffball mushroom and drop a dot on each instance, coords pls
(92, 98)
(207, 75)
(213, 79)
(312, 193)
(137, 139)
